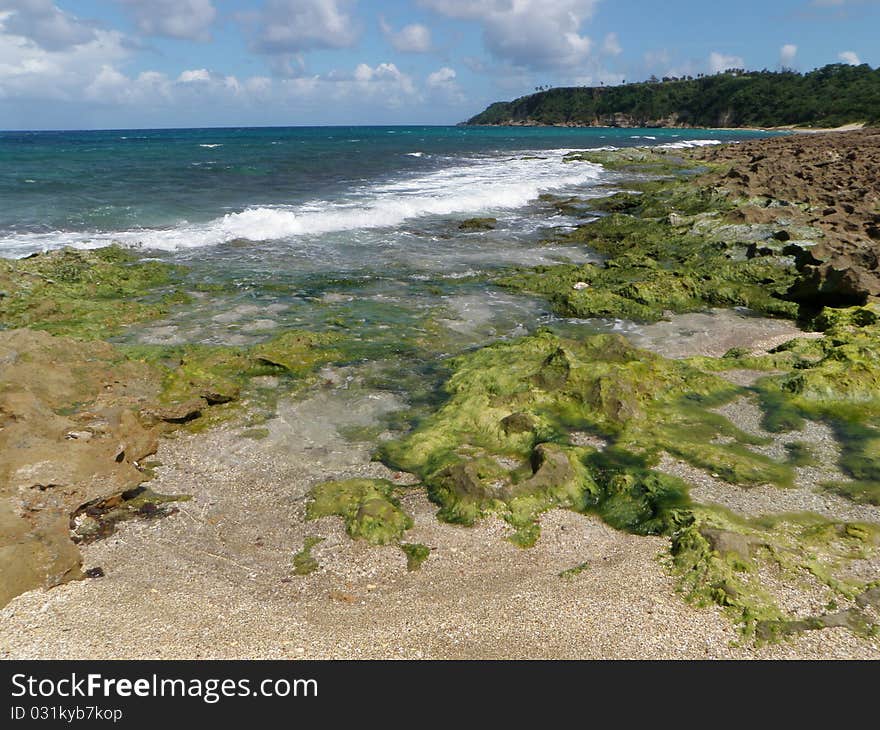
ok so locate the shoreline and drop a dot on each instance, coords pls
(215, 578)
(786, 128)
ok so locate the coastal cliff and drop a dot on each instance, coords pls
(831, 96)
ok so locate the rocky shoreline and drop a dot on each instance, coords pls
(576, 461)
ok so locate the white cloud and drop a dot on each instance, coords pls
(28, 69)
(383, 74)
(46, 25)
(441, 77)
(84, 79)
(111, 86)
(383, 85)
(529, 33)
(291, 26)
(194, 76)
(655, 59)
(719, 62)
(185, 19)
(787, 54)
(611, 45)
(413, 38)
(849, 57)
(443, 82)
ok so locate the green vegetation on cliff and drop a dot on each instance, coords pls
(830, 96)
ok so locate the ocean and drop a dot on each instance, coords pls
(330, 227)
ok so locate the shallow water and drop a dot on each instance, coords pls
(348, 230)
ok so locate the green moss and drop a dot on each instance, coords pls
(258, 434)
(368, 506)
(574, 572)
(634, 159)
(800, 454)
(416, 554)
(500, 443)
(835, 379)
(85, 294)
(478, 224)
(654, 268)
(708, 575)
(862, 492)
(296, 351)
(659, 199)
(667, 249)
(719, 558)
(194, 376)
(304, 562)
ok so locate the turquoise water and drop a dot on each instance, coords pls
(348, 228)
(165, 188)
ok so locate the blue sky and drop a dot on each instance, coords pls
(160, 63)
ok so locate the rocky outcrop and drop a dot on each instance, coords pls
(828, 181)
(69, 434)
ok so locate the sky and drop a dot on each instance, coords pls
(86, 64)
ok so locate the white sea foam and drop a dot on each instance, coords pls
(466, 187)
(415, 154)
(210, 146)
(688, 143)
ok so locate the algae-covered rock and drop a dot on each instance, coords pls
(478, 224)
(296, 351)
(500, 443)
(836, 380)
(633, 159)
(720, 558)
(304, 562)
(368, 507)
(85, 294)
(653, 268)
(197, 377)
(667, 248)
(416, 554)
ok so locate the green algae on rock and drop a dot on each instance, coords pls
(835, 379)
(575, 571)
(416, 554)
(85, 294)
(368, 506)
(197, 376)
(304, 562)
(478, 224)
(724, 559)
(633, 159)
(656, 262)
(502, 441)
